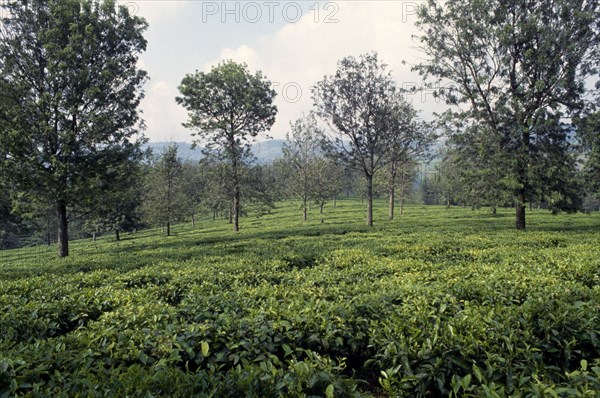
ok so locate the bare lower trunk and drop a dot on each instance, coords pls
(401, 202)
(168, 228)
(322, 206)
(522, 179)
(48, 233)
(63, 234)
(520, 211)
(117, 235)
(236, 209)
(304, 211)
(370, 201)
(494, 211)
(391, 204)
(93, 236)
(193, 221)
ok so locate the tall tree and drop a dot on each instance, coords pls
(356, 103)
(165, 201)
(300, 154)
(409, 140)
(515, 64)
(328, 180)
(228, 107)
(193, 186)
(73, 64)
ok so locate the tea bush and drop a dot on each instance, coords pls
(436, 303)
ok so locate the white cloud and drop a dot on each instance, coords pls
(162, 114)
(299, 54)
(240, 54)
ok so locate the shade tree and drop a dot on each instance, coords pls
(512, 66)
(71, 71)
(227, 108)
(355, 102)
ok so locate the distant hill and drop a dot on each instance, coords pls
(184, 150)
(268, 151)
(265, 151)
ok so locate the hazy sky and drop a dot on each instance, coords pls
(294, 43)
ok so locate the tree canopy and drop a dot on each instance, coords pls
(517, 67)
(227, 108)
(72, 66)
(356, 103)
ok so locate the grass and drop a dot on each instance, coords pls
(437, 302)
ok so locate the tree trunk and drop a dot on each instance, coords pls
(401, 199)
(322, 205)
(391, 204)
(48, 233)
(236, 209)
(522, 163)
(63, 234)
(168, 228)
(520, 211)
(214, 215)
(193, 221)
(494, 211)
(93, 236)
(304, 210)
(370, 201)
(117, 235)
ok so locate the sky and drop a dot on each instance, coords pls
(294, 43)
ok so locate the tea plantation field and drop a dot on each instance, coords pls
(435, 303)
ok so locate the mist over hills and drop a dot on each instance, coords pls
(270, 150)
(264, 151)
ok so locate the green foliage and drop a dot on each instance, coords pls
(228, 107)
(165, 197)
(514, 70)
(589, 136)
(360, 104)
(72, 92)
(444, 302)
